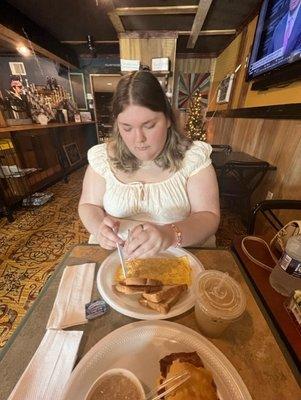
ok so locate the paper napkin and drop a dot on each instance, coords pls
(49, 369)
(74, 292)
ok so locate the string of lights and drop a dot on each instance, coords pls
(195, 125)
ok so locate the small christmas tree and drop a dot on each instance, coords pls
(195, 125)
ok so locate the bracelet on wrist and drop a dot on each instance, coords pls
(178, 235)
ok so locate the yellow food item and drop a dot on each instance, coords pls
(170, 271)
(200, 386)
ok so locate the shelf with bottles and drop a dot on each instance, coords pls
(26, 102)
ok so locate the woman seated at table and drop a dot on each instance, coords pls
(148, 181)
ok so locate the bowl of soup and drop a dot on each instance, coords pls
(116, 384)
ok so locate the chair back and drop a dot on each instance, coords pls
(267, 207)
(242, 178)
(225, 148)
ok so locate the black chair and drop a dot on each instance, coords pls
(225, 148)
(265, 208)
(237, 182)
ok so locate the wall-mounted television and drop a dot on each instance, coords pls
(276, 53)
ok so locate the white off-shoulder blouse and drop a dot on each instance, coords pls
(136, 202)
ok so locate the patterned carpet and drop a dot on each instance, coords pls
(32, 246)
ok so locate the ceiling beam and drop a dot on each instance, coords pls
(114, 17)
(116, 22)
(196, 55)
(15, 39)
(17, 28)
(149, 34)
(212, 32)
(75, 42)
(130, 11)
(198, 22)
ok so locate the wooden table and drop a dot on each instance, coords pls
(274, 302)
(249, 343)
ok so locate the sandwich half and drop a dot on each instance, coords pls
(135, 289)
(164, 299)
(165, 293)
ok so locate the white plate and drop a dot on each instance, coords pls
(139, 347)
(129, 305)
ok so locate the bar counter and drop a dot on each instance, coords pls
(17, 128)
(53, 151)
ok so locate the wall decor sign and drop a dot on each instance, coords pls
(85, 116)
(129, 65)
(188, 84)
(224, 90)
(160, 64)
(78, 90)
(72, 153)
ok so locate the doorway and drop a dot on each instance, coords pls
(103, 87)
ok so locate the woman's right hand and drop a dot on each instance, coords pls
(107, 233)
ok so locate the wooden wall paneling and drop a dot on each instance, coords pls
(2, 119)
(37, 151)
(276, 141)
(82, 145)
(225, 64)
(25, 151)
(241, 86)
(39, 145)
(51, 154)
(144, 47)
(193, 65)
(239, 62)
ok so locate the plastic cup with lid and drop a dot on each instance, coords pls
(220, 300)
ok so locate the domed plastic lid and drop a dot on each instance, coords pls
(219, 295)
(293, 246)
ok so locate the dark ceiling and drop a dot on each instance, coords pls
(6, 48)
(72, 20)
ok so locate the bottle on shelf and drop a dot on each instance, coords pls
(48, 83)
(286, 276)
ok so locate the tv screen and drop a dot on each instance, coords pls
(277, 41)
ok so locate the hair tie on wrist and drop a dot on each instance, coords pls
(178, 235)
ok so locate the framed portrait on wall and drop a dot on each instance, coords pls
(72, 153)
(78, 89)
(85, 116)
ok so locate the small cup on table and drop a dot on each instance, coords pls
(220, 300)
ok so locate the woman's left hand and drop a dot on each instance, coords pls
(148, 240)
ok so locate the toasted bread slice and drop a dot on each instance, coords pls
(165, 293)
(141, 282)
(135, 289)
(162, 307)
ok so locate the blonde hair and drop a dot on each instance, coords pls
(142, 88)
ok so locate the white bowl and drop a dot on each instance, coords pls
(114, 371)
